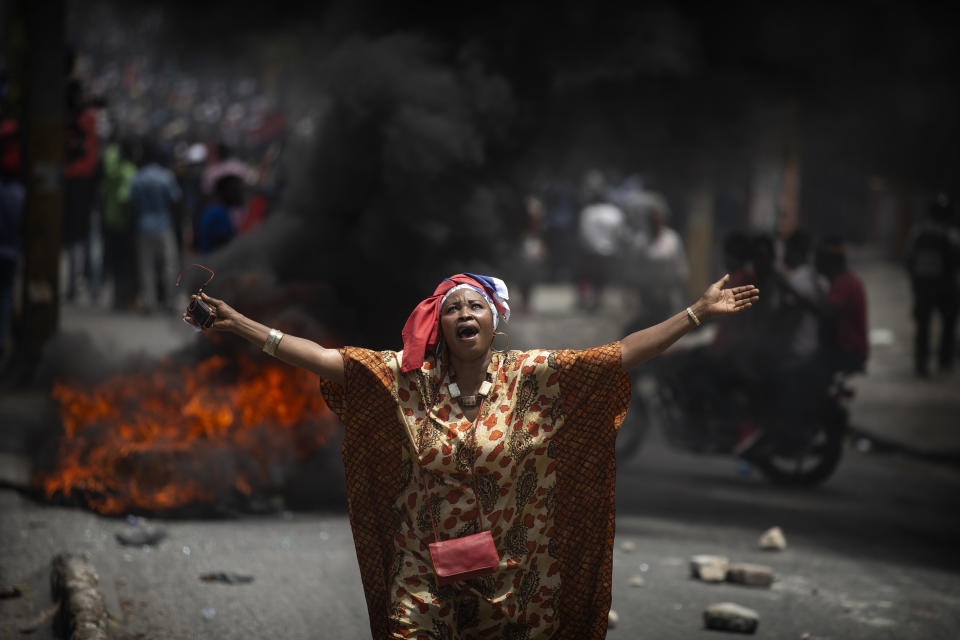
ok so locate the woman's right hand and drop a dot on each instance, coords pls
(227, 317)
(299, 352)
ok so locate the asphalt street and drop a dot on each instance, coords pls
(871, 553)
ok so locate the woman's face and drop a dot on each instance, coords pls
(467, 324)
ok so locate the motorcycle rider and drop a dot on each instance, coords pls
(802, 359)
(738, 363)
(801, 291)
(843, 311)
(771, 403)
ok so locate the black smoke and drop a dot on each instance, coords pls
(396, 190)
(433, 117)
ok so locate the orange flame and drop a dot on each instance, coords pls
(175, 437)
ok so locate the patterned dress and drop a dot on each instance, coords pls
(543, 486)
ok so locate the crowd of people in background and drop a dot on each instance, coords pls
(159, 169)
(136, 206)
(145, 192)
(601, 234)
(813, 312)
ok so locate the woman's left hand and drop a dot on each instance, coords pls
(717, 301)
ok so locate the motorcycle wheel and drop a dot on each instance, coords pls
(808, 466)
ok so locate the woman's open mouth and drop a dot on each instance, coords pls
(467, 333)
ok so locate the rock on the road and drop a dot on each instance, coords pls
(727, 616)
(773, 540)
(709, 568)
(753, 575)
(612, 619)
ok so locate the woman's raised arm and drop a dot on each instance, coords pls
(642, 345)
(299, 352)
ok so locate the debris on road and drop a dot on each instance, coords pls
(208, 613)
(10, 592)
(637, 581)
(709, 568)
(75, 583)
(628, 546)
(226, 576)
(773, 540)
(753, 575)
(34, 623)
(727, 616)
(613, 618)
(141, 536)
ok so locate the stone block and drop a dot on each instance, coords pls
(727, 616)
(709, 568)
(753, 575)
(773, 540)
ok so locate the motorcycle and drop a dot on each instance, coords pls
(703, 405)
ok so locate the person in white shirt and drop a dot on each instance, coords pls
(664, 265)
(804, 283)
(602, 229)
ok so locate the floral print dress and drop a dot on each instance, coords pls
(553, 577)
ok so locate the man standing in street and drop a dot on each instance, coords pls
(602, 227)
(119, 226)
(154, 192)
(933, 263)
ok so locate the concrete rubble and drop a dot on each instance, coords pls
(773, 540)
(752, 575)
(709, 568)
(715, 568)
(613, 618)
(728, 616)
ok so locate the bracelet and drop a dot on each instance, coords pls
(693, 316)
(272, 342)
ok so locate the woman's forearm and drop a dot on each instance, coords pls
(642, 345)
(299, 352)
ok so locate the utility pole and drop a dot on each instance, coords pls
(43, 110)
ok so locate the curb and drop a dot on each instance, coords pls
(881, 445)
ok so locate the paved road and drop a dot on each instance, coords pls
(872, 554)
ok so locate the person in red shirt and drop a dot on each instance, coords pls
(844, 317)
(81, 176)
(797, 383)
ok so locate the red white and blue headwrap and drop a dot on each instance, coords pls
(422, 329)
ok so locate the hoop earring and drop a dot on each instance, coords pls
(502, 333)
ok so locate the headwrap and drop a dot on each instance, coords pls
(422, 329)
